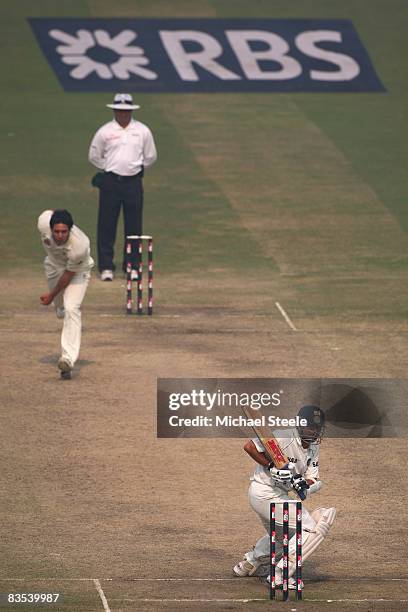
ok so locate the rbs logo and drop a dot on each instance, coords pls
(206, 55)
(243, 42)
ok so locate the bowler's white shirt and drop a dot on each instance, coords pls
(306, 460)
(74, 255)
(123, 150)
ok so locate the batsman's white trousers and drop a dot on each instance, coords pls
(71, 300)
(260, 497)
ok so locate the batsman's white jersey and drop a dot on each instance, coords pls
(306, 460)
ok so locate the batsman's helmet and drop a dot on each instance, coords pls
(314, 430)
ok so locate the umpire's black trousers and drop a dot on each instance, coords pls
(117, 191)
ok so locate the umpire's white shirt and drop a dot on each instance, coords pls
(74, 255)
(123, 150)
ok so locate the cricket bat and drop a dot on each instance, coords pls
(271, 446)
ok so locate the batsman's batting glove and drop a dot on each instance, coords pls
(283, 476)
(299, 484)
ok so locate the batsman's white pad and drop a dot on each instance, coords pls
(318, 512)
(324, 518)
(291, 555)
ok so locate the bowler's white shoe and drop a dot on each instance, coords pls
(134, 275)
(106, 275)
(64, 365)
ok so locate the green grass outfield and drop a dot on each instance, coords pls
(45, 135)
(313, 186)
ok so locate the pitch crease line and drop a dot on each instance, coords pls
(119, 579)
(101, 595)
(253, 599)
(368, 600)
(285, 316)
(186, 600)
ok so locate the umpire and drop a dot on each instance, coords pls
(122, 148)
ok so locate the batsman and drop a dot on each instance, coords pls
(300, 477)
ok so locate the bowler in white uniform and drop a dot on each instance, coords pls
(67, 266)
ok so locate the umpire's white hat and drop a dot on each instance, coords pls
(123, 101)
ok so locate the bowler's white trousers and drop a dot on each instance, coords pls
(70, 299)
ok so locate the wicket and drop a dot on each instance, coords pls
(130, 240)
(285, 550)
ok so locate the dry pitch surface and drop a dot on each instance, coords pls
(92, 495)
(94, 506)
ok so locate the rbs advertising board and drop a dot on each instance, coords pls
(206, 55)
